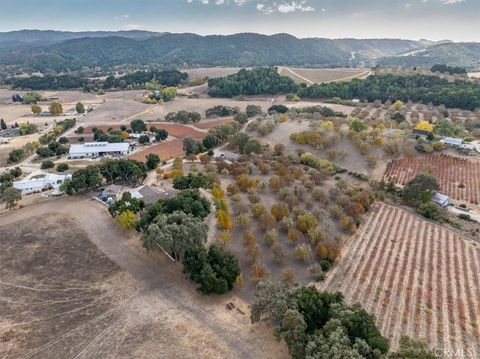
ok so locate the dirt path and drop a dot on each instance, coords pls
(156, 277)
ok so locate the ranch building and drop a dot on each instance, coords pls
(98, 149)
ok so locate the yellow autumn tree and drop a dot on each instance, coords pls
(424, 126)
(224, 221)
(127, 219)
(398, 105)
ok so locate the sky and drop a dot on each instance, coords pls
(457, 20)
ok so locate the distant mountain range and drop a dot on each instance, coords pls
(53, 51)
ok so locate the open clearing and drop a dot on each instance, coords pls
(417, 278)
(311, 76)
(458, 177)
(64, 296)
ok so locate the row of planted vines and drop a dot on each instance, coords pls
(458, 177)
(417, 278)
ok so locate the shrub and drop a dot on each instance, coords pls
(271, 237)
(325, 264)
(305, 222)
(47, 164)
(303, 252)
(258, 272)
(278, 252)
(280, 211)
(62, 167)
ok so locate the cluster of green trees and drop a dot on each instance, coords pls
(112, 170)
(112, 136)
(137, 79)
(221, 111)
(52, 149)
(416, 88)
(126, 203)
(191, 181)
(216, 270)
(214, 137)
(317, 324)
(8, 193)
(445, 69)
(59, 128)
(183, 117)
(246, 144)
(418, 193)
(187, 201)
(264, 80)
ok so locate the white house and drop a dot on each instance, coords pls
(98, 149)
(40, 181)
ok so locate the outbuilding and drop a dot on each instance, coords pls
(441, 200)
(98, 149)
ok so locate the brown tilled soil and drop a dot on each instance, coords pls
(418, 279)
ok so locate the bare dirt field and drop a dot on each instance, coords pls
(310, 76)
(208, 124)
(416, 277)
(211, 72)
(77, 286)
(165, 150)
(458, 177)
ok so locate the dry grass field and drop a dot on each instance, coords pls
(416, 277)
(458, 177)
(310, 76)
(76, 286)
(211, 72)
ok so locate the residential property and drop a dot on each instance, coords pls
(420, 133)
(151, 195)
(111, 193)
(441, 200)
(41, 181)
(98, 149)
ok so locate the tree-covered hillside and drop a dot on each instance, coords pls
(465, 55)
(251, 82)
(417, 88)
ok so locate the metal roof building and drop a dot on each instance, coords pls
(451, 141)
(98, 149)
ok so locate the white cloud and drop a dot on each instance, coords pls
(134, 27)
(219, 2)
(449, 2)
(295, 6)
(265, 9)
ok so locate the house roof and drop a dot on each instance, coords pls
(452, 141)
(93, 147)
(151, 195)
(440, 198)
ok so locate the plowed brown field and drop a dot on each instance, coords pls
(417, 278)
(165, 150)
(458, 177)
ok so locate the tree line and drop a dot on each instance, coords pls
(416, 88)
(134, 80)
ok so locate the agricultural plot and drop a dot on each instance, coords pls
(417, 278)
(458, 177)
(165, 150)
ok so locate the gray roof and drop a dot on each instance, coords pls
(151, 195)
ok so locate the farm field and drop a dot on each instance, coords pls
(310, 76)
(165, 150)
(458, 177)
(208, 124)
(211, 72)
(417, 278)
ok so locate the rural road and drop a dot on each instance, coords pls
(152, 276)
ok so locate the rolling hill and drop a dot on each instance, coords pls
(54, 51)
